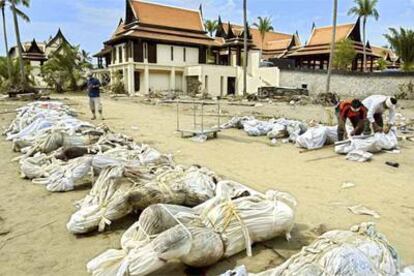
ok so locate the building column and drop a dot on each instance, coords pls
(184, 83)
(125, 77)
(172, 79)
(238, 58)
(146, 80)
(131, 79)
(111, 76)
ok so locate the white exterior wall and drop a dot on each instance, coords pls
(159, 80)
(164, 55)
(217, 76)
(167, 74)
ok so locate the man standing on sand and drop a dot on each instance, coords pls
(94, 94)
(377, 105)
(356, 112)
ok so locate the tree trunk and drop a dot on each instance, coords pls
(6, 44)
(245, 48)
(364, 23)
(19, 44)
(331, 56)
(261, 49)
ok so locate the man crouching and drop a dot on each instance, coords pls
(356, 112)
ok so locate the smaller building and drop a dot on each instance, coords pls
(388, 55)
(38, 52)
(315, 54)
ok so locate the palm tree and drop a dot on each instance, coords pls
(18, 40)
(402, 42)
(365, 9)
(65, 68)
(246, 30)
(264, 25)
(211, 26)
(331, 55)
(6, 44)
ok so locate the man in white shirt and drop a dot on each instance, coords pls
(377, 105)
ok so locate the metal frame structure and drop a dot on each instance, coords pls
(199, 127)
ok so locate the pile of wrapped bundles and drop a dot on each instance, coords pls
(315, 136)
(273, 128)
(360, 251)
(223, 226)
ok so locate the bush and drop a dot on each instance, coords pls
(344, 54)
(406, 91)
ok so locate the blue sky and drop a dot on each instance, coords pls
(90, 22)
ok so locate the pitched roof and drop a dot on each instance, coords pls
(270, 40)
(167, 36)
(324, 35)
(167, 16)
(384, 53)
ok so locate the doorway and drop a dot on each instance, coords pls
(137, 81)
(231, 86)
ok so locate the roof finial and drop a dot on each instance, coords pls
(201, 10)
(313, 26)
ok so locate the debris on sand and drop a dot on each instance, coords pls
(362, 210)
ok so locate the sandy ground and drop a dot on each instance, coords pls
(34, 239)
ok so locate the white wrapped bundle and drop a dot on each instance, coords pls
(114, 196)
(64, 177)
(373, 144)
(165, 233)
(250, 219)
(362, 251)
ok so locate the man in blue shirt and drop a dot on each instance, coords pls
(94, 94)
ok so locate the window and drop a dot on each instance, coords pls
(120, 54)
(184, 54)
(172, 53)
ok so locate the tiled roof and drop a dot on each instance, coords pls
(270, 37)
(155, 34)
(324, 35)
(167, 16)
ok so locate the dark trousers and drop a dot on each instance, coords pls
(378, 120)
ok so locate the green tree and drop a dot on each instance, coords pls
(365, 9)
(23, 16)
(382, 64)
(9, 74)
(344, 54)
(264, 25)
(18, 40)
(402, 42)
(211, 26)
(65, 69)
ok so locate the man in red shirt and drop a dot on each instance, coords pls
(356, 112)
